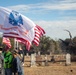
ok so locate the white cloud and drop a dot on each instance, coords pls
(59, 5)
(55, 29)
(21, 8)
(62, 6)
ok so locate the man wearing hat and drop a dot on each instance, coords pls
(8, 57)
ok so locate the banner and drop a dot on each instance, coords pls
(15, 25)
(13, 22)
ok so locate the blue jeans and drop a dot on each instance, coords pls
(8, 71)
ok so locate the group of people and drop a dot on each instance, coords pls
(11, 62)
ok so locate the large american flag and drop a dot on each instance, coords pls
(16, 25)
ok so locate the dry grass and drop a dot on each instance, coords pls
(51, 69)
(57, 68)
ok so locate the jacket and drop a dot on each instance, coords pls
(8, 57)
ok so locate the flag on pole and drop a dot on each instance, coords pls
(7, 42)
(38, 33)
(13, 22)
(15, 25)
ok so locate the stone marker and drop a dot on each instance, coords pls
(68, 59)
(39, 53)
(33, 60)
(39, 60)
(46, 61)
(27, 54)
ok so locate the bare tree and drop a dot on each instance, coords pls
(70, 45)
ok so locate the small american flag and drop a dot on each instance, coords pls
(7, 41)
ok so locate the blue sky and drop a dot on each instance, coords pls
(52, 15)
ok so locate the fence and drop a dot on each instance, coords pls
(42, 59)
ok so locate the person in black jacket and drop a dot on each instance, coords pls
(17, 68)
(21, 52)
(14, 64)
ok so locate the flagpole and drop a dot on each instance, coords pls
(14, 43)
(17, 44)
(1, 35)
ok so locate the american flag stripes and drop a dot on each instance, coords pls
(7, 42)
(25, 42)
(38, 33)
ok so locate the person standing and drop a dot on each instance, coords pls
(21, 52)
(14, 64)
(8, 57)
(1, 62)
(17, 65)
